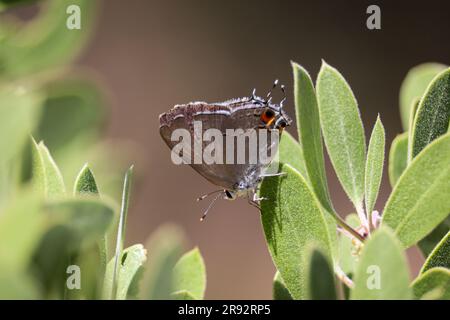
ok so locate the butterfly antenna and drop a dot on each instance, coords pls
(284, 98)
(210, 206)
(275, 83)
(208, 194)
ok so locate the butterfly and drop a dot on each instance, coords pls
(228, 122)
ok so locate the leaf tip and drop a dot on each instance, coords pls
(324, 65)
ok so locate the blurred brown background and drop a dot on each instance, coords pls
(155, 54)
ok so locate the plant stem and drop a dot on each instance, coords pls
(362, 217)
(343, 277)
(346, 227)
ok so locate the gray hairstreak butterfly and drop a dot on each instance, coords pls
(212, 136)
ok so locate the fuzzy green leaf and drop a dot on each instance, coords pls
(420, 201)
(382, 272)
(308, 125)
(45, 172)
(428, 243)
(85, 182)
(398, 157)
(413, 87)
(412, 117)
(440, 256)
(374, 165)
(128, 273)
(279, 290)
(433, 114)
(164, 249)
(433, 284)
(291, 152)
(343, 131)
(291, 219)
(190, 275)
(321, 285)
(347, 260)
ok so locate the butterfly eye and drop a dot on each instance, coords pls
(230, 195)
(268, 116)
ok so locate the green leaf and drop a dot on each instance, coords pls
(413, 87)
(54, 253)
(291, 219)
(190, 275)
(435, 281)
(19, 113)
(412, 117)
(433, 114)
(183, 295)
(20, 109)
(85, 182)
(120, 239)
(420, 201)
(428, 243)
(129, 272)
(45, 172)
(279, 290)
(291, 152)
(89, 219)
(21, 226)
(24, 53)
(308, 125)
(398, 157)
(374, 165)
(382, 272)
(322, 284)
(343, 131)
(347, 260)
(73, 107)
(164, 249)
(74, 225)
(440, 256)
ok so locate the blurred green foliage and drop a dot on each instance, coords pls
(59, 223)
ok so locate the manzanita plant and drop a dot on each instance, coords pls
(368, 254)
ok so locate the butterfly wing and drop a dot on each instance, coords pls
(219, 117)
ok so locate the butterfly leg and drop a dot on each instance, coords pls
(279, 174)
(254, 203)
